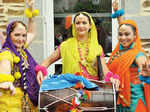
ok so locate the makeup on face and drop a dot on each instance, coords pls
(82, 25)
(126, 35)
(19, 36)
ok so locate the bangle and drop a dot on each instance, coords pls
(42, 69)
(6, 78)
(118, 13)
(115, 76)
(108, 76)
(30, 14)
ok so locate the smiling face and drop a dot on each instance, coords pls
(82, 25)
(126, 35)
(19, 35)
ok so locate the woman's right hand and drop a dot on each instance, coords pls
(30, 3)
(8, 86)
(115, 5)
(116, 82)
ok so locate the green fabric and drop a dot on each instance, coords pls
(137, 92)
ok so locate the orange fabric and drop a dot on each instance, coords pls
(147, 96)
(68, 21)
(121, 66)
(140, 107)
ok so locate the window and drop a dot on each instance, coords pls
(100, 11)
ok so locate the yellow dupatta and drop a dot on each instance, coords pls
(70, 54)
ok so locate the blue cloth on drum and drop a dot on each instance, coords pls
(62, 81)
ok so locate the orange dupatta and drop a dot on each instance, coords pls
(122, 64)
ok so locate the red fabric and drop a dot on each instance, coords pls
(147, 96)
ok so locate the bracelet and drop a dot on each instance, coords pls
(118, 13)
(109, 75)
(115, 76)
(30, 14)
(42, 69)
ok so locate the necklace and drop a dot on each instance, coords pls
(24, 57)
(83, 58)
(24, 66)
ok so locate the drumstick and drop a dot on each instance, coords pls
(123, 99)
(148, 60)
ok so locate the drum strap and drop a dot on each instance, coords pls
(100, 70)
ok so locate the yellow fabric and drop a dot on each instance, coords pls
(8, 102)
(6, 78)
(6, 55)
(12, 103)
(70, 55)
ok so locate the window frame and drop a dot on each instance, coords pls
(48, 13)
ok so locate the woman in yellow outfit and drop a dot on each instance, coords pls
(79, 52)
(18, 84)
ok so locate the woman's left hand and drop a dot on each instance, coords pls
(116, 82)
(144, 65)
(145, 70)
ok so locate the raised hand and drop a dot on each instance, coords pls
(115, 5)
(30, 3)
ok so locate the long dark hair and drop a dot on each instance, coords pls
(132, 27)
(85, 14)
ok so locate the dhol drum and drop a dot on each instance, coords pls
(103, 99)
